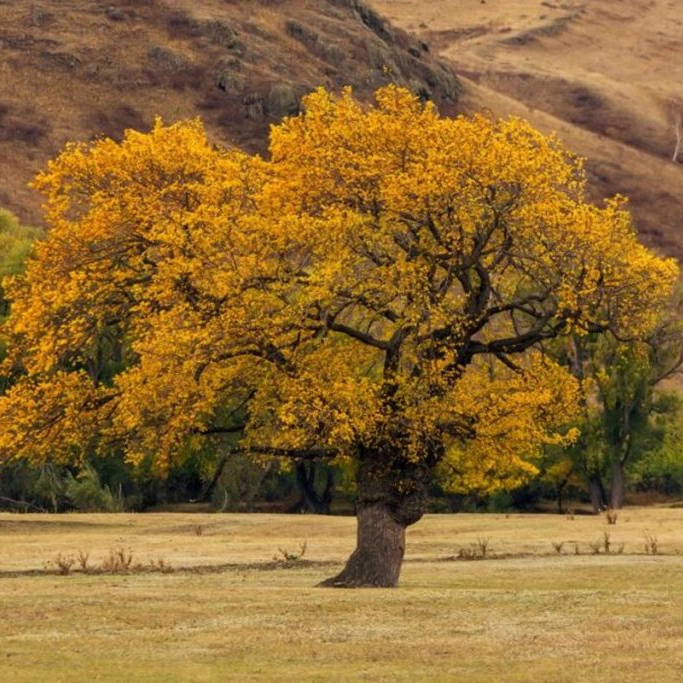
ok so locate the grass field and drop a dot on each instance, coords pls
(205, 601)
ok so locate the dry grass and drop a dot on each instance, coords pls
(530, 615)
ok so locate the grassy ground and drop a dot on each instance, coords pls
(532, 610)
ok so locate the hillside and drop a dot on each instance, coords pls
(605, 75)
(73, 70)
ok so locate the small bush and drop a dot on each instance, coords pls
(118, 561)
(62, 563)
(466, 554)
(284, 556)
(651, 545)
(161, 565)
(606, 543)
(83, 560)
(86, 492)
(483, 546)
(477, 551)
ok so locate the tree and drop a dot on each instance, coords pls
(622, 410)
(15, 245)
(660, 467)
(374, 294)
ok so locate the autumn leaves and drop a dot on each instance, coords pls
(382, 279)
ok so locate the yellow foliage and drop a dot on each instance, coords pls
(379, 283)
(513, 416)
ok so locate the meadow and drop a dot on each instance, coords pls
(208, 597)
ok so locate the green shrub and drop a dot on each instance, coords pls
(87, 494)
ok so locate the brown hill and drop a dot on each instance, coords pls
(73, 70)
(605, 75)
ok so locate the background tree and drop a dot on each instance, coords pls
(375, 293)
(622, 408)
(15, 244)
(16, 241)
(660, 467)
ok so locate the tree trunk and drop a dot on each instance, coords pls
(560, 490)
(392, 494)
(377, 559)
(597, 492)
(307, 474)
(617, 485)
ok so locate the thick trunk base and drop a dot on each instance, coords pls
(392, 494)
(378, 557)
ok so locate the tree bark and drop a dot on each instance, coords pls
(311, 500)
(560, 490)
(617, 485)
(597, 492)
(392, 494)
(380, 545)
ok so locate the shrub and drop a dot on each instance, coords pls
(87, 494)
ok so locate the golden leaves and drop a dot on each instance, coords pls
(380, 278)
(513, 415)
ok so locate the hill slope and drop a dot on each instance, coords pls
(605, 75)
(73, 70)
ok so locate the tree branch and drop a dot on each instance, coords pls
(358, 335)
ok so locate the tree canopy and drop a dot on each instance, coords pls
(15, 244)
(378, 290)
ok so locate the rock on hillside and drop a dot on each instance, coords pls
(76, 70)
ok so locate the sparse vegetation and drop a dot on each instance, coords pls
(557, 547)
(62, 563)
(466, 554)
(284, 556)
(483, 547)
(478, 550)
(606, 542)
(118, 560)
(255, 623)
(218, 60)
(651, 545)
(83, 560)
